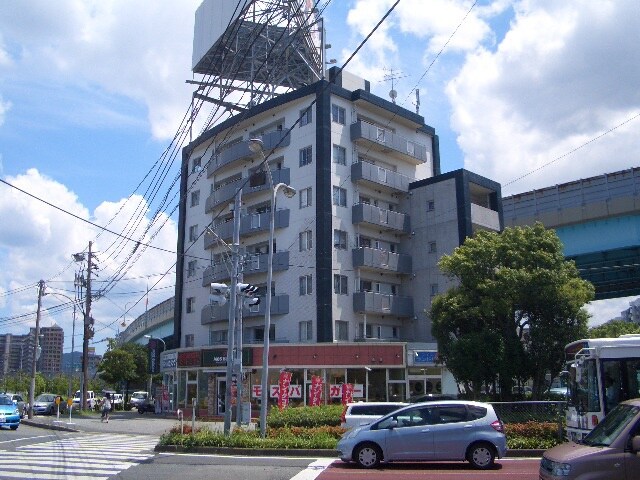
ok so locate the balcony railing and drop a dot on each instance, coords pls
(379, 176)
(249, 225)
(485, 217)
(381, 260)
(240, 151)
(212, 313)
(383, 140)
(382, 304)
(257, 263)
(228, 191)
(386, 219)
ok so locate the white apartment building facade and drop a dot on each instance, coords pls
(355, 251)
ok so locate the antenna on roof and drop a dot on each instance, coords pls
(393, 77)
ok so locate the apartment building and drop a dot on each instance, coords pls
(354, 254)
(51, 343)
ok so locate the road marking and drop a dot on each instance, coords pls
(28, 438)
(314, 469)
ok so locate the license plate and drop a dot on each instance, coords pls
(3, 418)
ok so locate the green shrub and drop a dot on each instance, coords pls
(323, 415)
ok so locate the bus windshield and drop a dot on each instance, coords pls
(584, 387)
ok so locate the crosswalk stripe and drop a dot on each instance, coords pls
(92, 457)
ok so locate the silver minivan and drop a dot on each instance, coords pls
(610, 451)
(438, 431)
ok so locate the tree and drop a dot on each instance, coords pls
(517, 303)
(614, 329)
(123, 365)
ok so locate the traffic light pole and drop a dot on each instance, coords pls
(233, 296)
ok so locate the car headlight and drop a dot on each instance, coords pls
(556, 469)
(17, 412)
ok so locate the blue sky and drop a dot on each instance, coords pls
(92, 92)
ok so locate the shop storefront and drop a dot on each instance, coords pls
(378, 372)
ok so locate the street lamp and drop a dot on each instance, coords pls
(257, 146)
(73, 335)
(124, 317)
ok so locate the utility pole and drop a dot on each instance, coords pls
(88, 333)
(32, 387)
(233, 296)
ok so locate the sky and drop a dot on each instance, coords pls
(93, 93)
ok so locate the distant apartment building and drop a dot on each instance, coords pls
(52, 344)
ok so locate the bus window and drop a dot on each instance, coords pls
(611, 376)
(633, 378)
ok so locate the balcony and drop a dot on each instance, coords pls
(382, 261)
(212, 314)
(379, 217)
(377, 177)
(249, 225)
(240, 151)
(254, 264)
(484, 218)
(382, 140)
(227, 192)
(382, 304)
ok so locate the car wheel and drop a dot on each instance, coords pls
(481, 455)
(368, 455)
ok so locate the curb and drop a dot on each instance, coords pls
(297, 452)
(48, 426)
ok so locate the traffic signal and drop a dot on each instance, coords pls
(247, 289)
(251, 302)
(218, 294)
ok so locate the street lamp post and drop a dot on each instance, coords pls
(73, 337)
(257, 146)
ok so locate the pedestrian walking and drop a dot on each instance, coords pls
(106, 408)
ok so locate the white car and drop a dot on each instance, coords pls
(91, 399)
(361, 413)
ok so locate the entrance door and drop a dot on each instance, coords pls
(416, 385)
(221, 391)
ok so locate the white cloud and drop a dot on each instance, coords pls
(565, 73)
(140, 50)
(4, 108)
(36, 242)
(602, 311)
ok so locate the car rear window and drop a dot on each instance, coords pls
(451, 413)
(476, 413)
(379, 410)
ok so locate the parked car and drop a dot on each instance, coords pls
(45, 404)
(149, 405)
(440, 431)
(431, 397)
(138, 398)
(9, 413)
(610, 450)
(92, 401)
(116, 399)
(361, 413)
(19, 401)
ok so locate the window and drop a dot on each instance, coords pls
(434, 289)
(433, 247)
(380, 134)
(306, 155)
(305, 197)
(338, 114)
(339, 196)
(339, 155)
(196, 165)
(189, 340)
(218, 336)
(431, 206)
(195, 198)
(191, 268)
(255, 220)
(306, 285)
(340, 239)
(191, 304)
(340, 285)
(342, 330)
(306, 117)
(304, 331)
(193, 233)
(306, 240)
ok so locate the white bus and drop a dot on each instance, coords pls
(602, 372)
